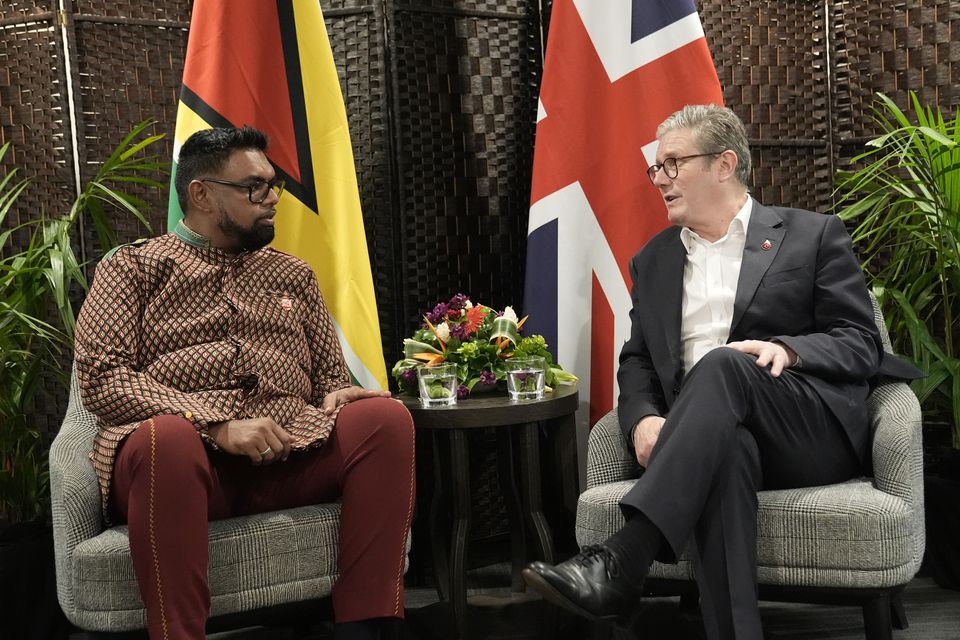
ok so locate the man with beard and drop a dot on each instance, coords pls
(220, 390)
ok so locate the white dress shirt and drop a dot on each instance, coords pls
(710, 277)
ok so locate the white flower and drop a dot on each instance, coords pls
(508, 312)
(443, 331)
(468, 305)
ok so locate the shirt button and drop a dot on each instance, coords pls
(188, 414)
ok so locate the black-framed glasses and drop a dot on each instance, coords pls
(671, 166)
(256, 191)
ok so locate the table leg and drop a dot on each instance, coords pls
(439, 540)
(532, 493)
(460, 474)
(508, 486)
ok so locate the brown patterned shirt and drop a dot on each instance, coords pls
(173, 326)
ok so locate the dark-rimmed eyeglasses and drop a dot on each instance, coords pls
(256, 191)
(671, 166)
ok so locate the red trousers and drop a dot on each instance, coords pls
(166, 487)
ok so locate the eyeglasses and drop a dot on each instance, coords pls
(256, 191)
(671, 166)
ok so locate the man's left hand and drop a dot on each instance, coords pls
(776, 355)
(341, 397)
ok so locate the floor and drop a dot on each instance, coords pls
(495, 614)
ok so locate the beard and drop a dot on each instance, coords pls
(256, 237)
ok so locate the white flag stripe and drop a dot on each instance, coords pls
(649, 152)
(359, 370)
(582, 252)
(609, 24)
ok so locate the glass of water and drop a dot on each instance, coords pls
(438, 385)
(525, 377)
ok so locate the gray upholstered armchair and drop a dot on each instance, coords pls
(256, 561)
(857, 542)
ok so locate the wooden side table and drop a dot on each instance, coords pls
(514, 421)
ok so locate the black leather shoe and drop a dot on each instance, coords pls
(589, 584)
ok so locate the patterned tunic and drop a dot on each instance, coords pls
(173, 326)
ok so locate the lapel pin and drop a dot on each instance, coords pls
(767, 245)
(286, 303)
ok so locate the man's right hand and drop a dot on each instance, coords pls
(645, 436)
(260, 439)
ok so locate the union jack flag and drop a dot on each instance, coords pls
(614, 70)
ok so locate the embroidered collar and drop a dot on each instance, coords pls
(190, 236)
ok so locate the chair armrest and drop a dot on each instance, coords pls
(897, 442)
(608, 459)
(74, 492)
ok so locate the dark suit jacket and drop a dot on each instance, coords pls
(806, 291)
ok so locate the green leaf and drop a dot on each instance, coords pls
(412, 347)
(504, 327)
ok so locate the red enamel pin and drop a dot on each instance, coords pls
(767, 245)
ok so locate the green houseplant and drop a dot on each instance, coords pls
(36, 315)
(904, 201)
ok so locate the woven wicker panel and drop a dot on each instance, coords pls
(357, 41)
(893, 47)
(511, 7)
(465, 91)
(771, 61)
(14, 9)
(128, 73)
(772, 64)
(792, 177)
(465, 95)
(32, 106)
(174, 10)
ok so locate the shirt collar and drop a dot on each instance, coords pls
(190, 236)
(738, 227)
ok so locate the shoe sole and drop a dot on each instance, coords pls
(549, 593)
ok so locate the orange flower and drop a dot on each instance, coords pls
(475, 316)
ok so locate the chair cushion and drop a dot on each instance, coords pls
(842, 535)
(299, 545)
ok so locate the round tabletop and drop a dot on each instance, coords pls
(494, 409)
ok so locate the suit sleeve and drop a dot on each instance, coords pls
(641, 393)
(106, 348)
(846, 346)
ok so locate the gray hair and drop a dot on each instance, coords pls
(714, 128)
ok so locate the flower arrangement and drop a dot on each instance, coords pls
(478, 340)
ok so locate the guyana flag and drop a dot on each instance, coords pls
(268, 64)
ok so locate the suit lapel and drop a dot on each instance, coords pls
(764, 237)
(667, 289)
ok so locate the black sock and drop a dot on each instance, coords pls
(358, 630)
(636, 546)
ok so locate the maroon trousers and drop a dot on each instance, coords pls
(167, 487)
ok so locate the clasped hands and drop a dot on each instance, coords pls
(264, 441)
(776, 355)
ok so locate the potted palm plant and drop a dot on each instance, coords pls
(903, 199)
(36, 329)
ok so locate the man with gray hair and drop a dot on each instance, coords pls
(751, 345)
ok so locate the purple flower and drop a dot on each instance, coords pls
(408, 376)
(458, 331)
(488, 377)
(462, 392)
(439, 314)
(458, 302)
